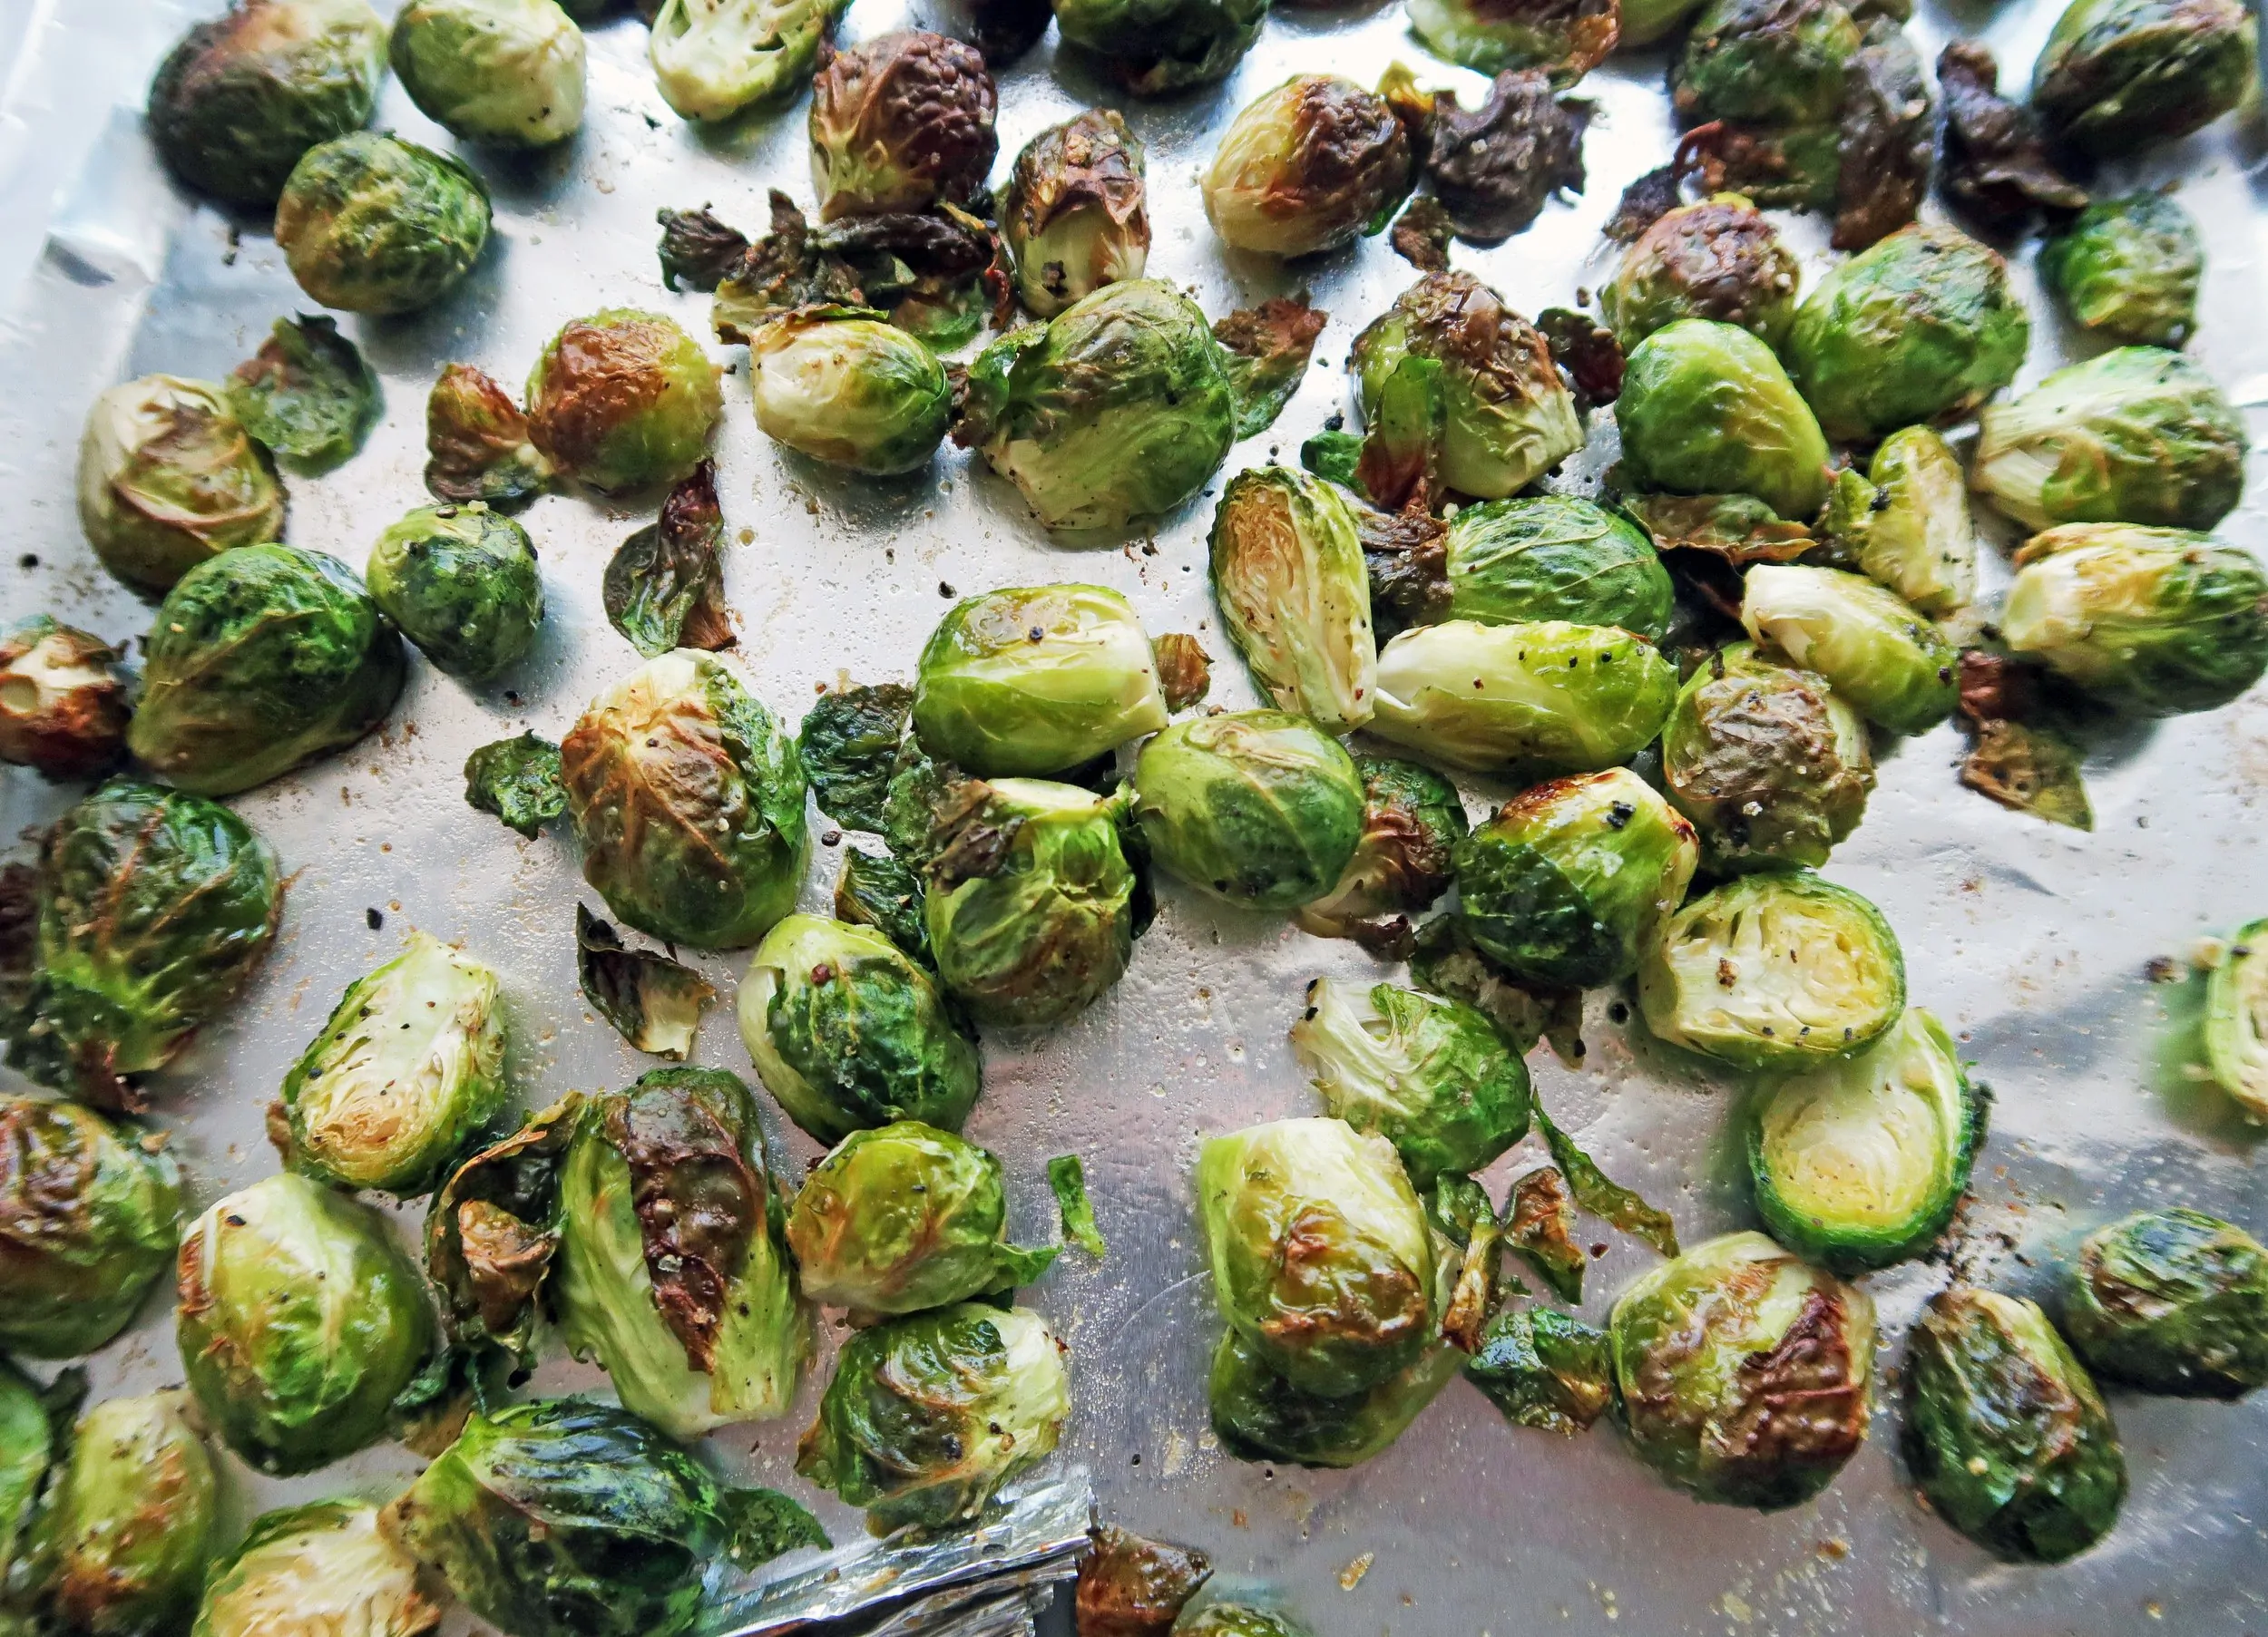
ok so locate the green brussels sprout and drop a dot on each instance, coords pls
(1568, 39)
(461, 582)
(1412, 818)
(1906, 522)
(1119, 408)
(2120, 74)
(1857, 1164)
(1721, 260)
(848, 1033)
(506, 73)
(1322, 1257)
(1774, 971)
(2128, 269)
(900, 123)
(1551, 697)
(2172, 1301)
(1258, 1416)
(152, 907)
(903, 1218)
(239, 99)
(1294, 593)
(849, 390)
(1225, 1618)
(2005, 1433)
(927, 1416)
(1309, 167)
(1766, 761)
(2158, 620)
(1260, 808)
(671, 1270)
(1873, 649)
(327, 1567)
(1555, 557)
(1155, 46)
(1706, 409)
(1570, 881)
(1765, 61)
(299, 1322)
(1507, 417)
(65, 699)
(1075, 215)
(1744, 1372)
(169, 477)
(1035, 679)
(623, 400)
(410, 1068)
(2134, 436)
(259, 659)
(2236, 1020)
(1431, 1075)
(373, 224)
(713, 58)
(689, 800)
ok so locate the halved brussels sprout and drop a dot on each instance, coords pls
(849, 390)
(167, 477)
(1906, 522)
(1774, 971)
(2236, 1020)
(1412, 818)
(1555, 557)
(900, 123)
(1765, 61)
(623, 400)
(1036, 679)
(2120, 74)
(1706, 409)
(65, 699)
(1874, 650)
(1258, 1416)
(1307, 167)
(1721, 260)
(259, 659)
(462, 583)
(1568, 37)
(508, 72)
(1570, 882)
(713, 58)
(1075, 215)
(1155, 46)
(2128, 268)
(2172, 1301)
(323, 1568)
(1294, 593)
(373, 224)
(1260, 808)
(1548, 695)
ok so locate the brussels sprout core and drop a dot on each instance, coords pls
(854, 392)
(1307, 167)
(1260, 808)
(1293, 591)
(507, 73)
(463, 585)
(374, 225)
(167, 477)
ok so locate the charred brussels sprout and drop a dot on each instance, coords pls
(1721, 260)
(2004, 1431)
(1133, 1587)
(1258, 1416)
(372, 224)
(461, 582)
(2128, 269)
(1307, 167)
(848, 1033)
(1775, 62)
(713, 58)
(507, 73)
(1568, 37)
(2236, 1021)
(1706, 409)
(929, 1414)
(1906, 523)
(1155, 46)
(1076, 213)
(167, 477)
(2118, 74)
(1260, 808)
(300, 1320)
(1412, 818)
(849, 390)
(1294, 592)
(64, 701)
(1872, 647)
(327, 1567)
(900, 123)
(1555, 557)
(240, 98)
(261, 658)
(623, 400)
(2172, 1302)
(2134, 436)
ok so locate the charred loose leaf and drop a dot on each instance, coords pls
(477, 441)
(876, 890)
(1400, 462)
(1607, 1200)
(1460, 1208)
(1795, 167)
(1587, 350)
(1407, 554)
(1067, 1175)
(849, 742)
(1446, 961)
(1422, 234)
(653, 1003)
(1885, 138)
(1185, 670)
(783, 270)
(2035, 770)
(935, 274)
(1544, 1369)
(1268, 349)
(698, 1198)
(1132, 1587)
(1541, 1225)
(1995, 163)
(493, 1230)
(308, 394)
(697, 250)
(1739, 528)
(1643, 203)
(517, 780)
(1493, 169)
(664, 587)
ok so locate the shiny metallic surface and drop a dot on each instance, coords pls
(2031, 941)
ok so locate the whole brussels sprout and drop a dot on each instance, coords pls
(89, 1214)
(2120, 74)
(849, 390)
(1765, 61)
(1721, 260)
(1321, 1255)
(1507, 417)
(1906, 523)
(1548, 695)
(2157, 620)
(373, 224)
(1859, 1164)
(167, 477)
(903, 122)
(239, 99)
(1035, 679)
(1774, 971)
(409, 1069)
(1570, 881)
(1260, 808)
(259, 659)
(461, 582)
(689, 800)
(2172, 1302)
(1744, 1372)
(1119, 408)
(927, 1416)
(713, 58)
(1294, 593)
(2128, 269)
(2005, 1433)
(299, 1322)
(1569, 39)
(506, 73)
(1075, 215)
(1431, 1075)
(64, 701)
(327, 1567)
(848, 1033)
(1769, 764)
(2236, 1020)
(1257, 1416)
(1307, 167)
(2134, 436)
(623, 400)
(1155, 46)
(1412, 818)
(1874, 650)
(1706, 409)
(1555, 557)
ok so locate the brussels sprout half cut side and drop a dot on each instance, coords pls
(327, 1566)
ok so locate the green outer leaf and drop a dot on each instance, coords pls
(653, 1003)
(849, 743)
(664, 586)
(308, 394)
(1067, 1175)
(518, 781)
(877, 891)
(1603, 1198)
(1267, 349)
(1333, 456)
(2032, 769)
(1544, 1369)
(1257, 1416)
(765, 1524)
(510, 1189)
(1540, 1223)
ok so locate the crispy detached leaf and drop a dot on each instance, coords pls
(518, 780)
(2035, 770)
(1739, 528)
(1995, 687)
(1995, 163)
(1793, 168)
(1460, 1208)
(1067, 1175)
(697, 250)
(1133, 1587)
(699, 1200)
(308, 394)
(1885, 142)
(1407, 554)
(665, 587)
(1447, 962)
(783, 270)
(765, 1525)
(1402, 443)
(1422, 233)
(1589, 352)
(1643, 203)
(428, 1414)
(1333, 455)
(1185, 670)
(477, 441)
(936, 274)
(493, 1229)
(1268, 349)
(1493, 169)
(849, 741)
(876, 890)
(1607, 1200)
(1540, 1225)
(652, 1001)
(1544, 1369)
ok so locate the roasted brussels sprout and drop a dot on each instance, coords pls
(1260, 808)
(327, 1567)
(1874, 650)
(373, 224)
(240, 98)
(307, 395)
(849, 390)
(1226, 1617)
(1133, 1587)
(1309, 167)
(64, 700)
(1555, 557)
(461, 582)
(1906, 522)
(1076, 212)
(2005, 1433)
(1721, 260)
(33, 1427)
(713, 58)
(623, 400)
(2236, 1020)
(1548, 696)
(1765, 63)
(1706, 409)
(900, 123)
(1294, 592)
(2134, 436)
(506, 73)
(2120, 74)
(477, 441)
(2172, 1301)
(1258, 1416)
(1568, 37)
(1097, 444)
(1155, 46)
(929, 1414)
(2128, 269)
(1412, 818)
(1036, 679)
(167, 477)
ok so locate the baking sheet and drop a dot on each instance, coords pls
(2029, 941)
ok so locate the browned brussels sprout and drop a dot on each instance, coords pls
(1309, 167)
(167, 476)
(2117, 74)
(623, 400)
(372, 224)
(1995, 165)
(900, 123)
(1491, 169)
(1132, 1587)
(1411, 819)
(1720, 259)
(63, 699)
(476, 439)
(1076, 215)
(1766, 760)
(1155, 46)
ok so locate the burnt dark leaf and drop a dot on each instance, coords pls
(2034, 769)
(697, 250)
(698, 1199)
(1795, 167)
(494, 1228)
(664, 586)
(1603, 1198)
(849, 740)
(518, 780)
(1493, 169)
(1269, 346)
(477, 441)
(1995, 164)
(1995, 687)
(1539, 1223)
(653, 1003)
(1885, 141)
(1407, 554)
(1185, 670)
(876, 890)
(307, 395)
(1422, 233)
(19, 928)
(1133, 1587)
(1643, 203)
(1587, 350)
(1739, 528)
